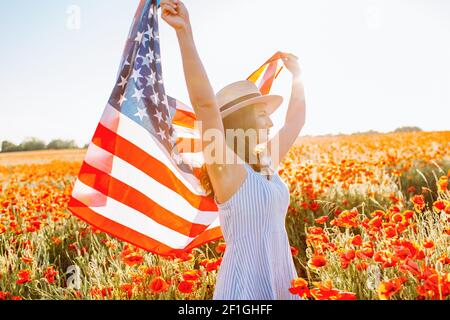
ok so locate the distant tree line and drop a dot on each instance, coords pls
(30, 144)
(370, 132)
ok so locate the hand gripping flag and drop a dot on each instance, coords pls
(135, 183)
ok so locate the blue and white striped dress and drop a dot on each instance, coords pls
(257, 264)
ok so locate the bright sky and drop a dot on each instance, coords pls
(367, 64)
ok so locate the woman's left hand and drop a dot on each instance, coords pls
(291, 63)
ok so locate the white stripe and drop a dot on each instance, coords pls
(214, 224)
(134, 133)
(184, 107)
(195, 158)
(183, 132)
(159, 193)
(133, 219)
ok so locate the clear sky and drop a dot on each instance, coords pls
(367, 64)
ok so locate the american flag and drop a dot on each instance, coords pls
(135, 182)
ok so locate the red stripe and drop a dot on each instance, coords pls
(207, 236)
(122, 148)
(273, 58)
(135, 199)
(184, 118)
(268, 77)
(119, 231)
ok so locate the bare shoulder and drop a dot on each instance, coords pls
(226, 179)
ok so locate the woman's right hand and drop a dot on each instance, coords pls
(174, 12)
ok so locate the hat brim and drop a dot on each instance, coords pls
(272, 102)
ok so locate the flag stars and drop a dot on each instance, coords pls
(146, 40)
(139, 37)
(123, 82)
(165, 103)
(136, 75)
(151, 56)
(151, 34)
(158, 115)
(141, 113)
(161, 133)
(138, 94)
(148, 33)
(146, 61)
(122, 99)
(151, 78)
(155, 98)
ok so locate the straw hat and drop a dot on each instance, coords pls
(244, 93)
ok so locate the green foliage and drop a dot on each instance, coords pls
(61, 144)
(30, 144)
(407, 129)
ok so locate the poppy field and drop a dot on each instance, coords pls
(369, 218)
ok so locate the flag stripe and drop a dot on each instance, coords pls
(207, 236)
(267, 80)
(133, 219)
(111, 187)
(134, 178)
(184, 132)
(184, 118)
(118, 230)
(149, 166)
(133, 136)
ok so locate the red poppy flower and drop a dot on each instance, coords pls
(50, 274)
(321, 220)
(442, 184)
(362, 266)
(23, 276)
(158, 285)
(128, 289)
(220, 248)
(429, 244)
(325, 291)
(191, 275)
(388, 288)
(314, 206)
(419, 202)
(317, 261)
(357, 240)
(441, 205)
(315, 230)
(186, 286)
(300, 286)
(4, 295)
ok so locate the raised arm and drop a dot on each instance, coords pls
(201, 94)
(280, 144)
(202, 98)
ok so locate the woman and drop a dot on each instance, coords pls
(252, 208)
